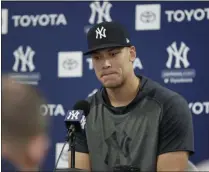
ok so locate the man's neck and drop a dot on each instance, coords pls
(124, 95)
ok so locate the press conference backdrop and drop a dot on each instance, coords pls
(42, 44)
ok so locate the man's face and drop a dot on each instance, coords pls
(112, 66)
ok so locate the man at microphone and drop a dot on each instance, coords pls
(24, 130)
(133, 121)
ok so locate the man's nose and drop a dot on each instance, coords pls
(106, 64)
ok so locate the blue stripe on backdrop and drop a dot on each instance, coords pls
(171, 39)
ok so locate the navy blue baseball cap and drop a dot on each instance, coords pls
(107, 35)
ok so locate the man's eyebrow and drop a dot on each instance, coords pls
(109, 50)
(95, 52)
(118, 48)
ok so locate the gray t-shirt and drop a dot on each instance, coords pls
(157, 121)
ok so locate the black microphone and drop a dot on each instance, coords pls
(75, 121)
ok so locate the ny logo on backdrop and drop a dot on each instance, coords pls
(25, 58)
(24, 67)
(177, 64)
(180, 55)
(100, 33)
(102, 11)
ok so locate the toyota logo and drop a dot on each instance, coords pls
(147, 16)
(70, 64)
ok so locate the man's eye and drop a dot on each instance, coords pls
(96, 57)
(114, 53)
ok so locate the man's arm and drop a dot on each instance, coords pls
(82, 160)
(173, 161)
(176, 139)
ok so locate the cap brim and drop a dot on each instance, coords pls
(104, 47)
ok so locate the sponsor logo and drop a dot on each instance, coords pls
(89, 61)
(42, 20)
(147, 17)
(178, 60)
(187, 15)
(70, 64)
(4, 21)
(63, 161)
(52, 110)
(137, 63)
(99, 13)
(199, 108)
(24, 66)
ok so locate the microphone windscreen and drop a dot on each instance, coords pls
(82, 105)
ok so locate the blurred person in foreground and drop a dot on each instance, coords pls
(25, 140)
(134, 124)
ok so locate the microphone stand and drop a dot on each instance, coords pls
(72, 145)
(72, 137)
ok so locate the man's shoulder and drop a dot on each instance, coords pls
(95, 99)
(162, 94)
(171, 102)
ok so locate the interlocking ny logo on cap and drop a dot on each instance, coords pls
(100, 33)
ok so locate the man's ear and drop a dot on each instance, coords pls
(132, 51)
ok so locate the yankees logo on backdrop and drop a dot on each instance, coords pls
(100, 33)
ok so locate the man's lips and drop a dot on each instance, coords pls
(106, 74)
